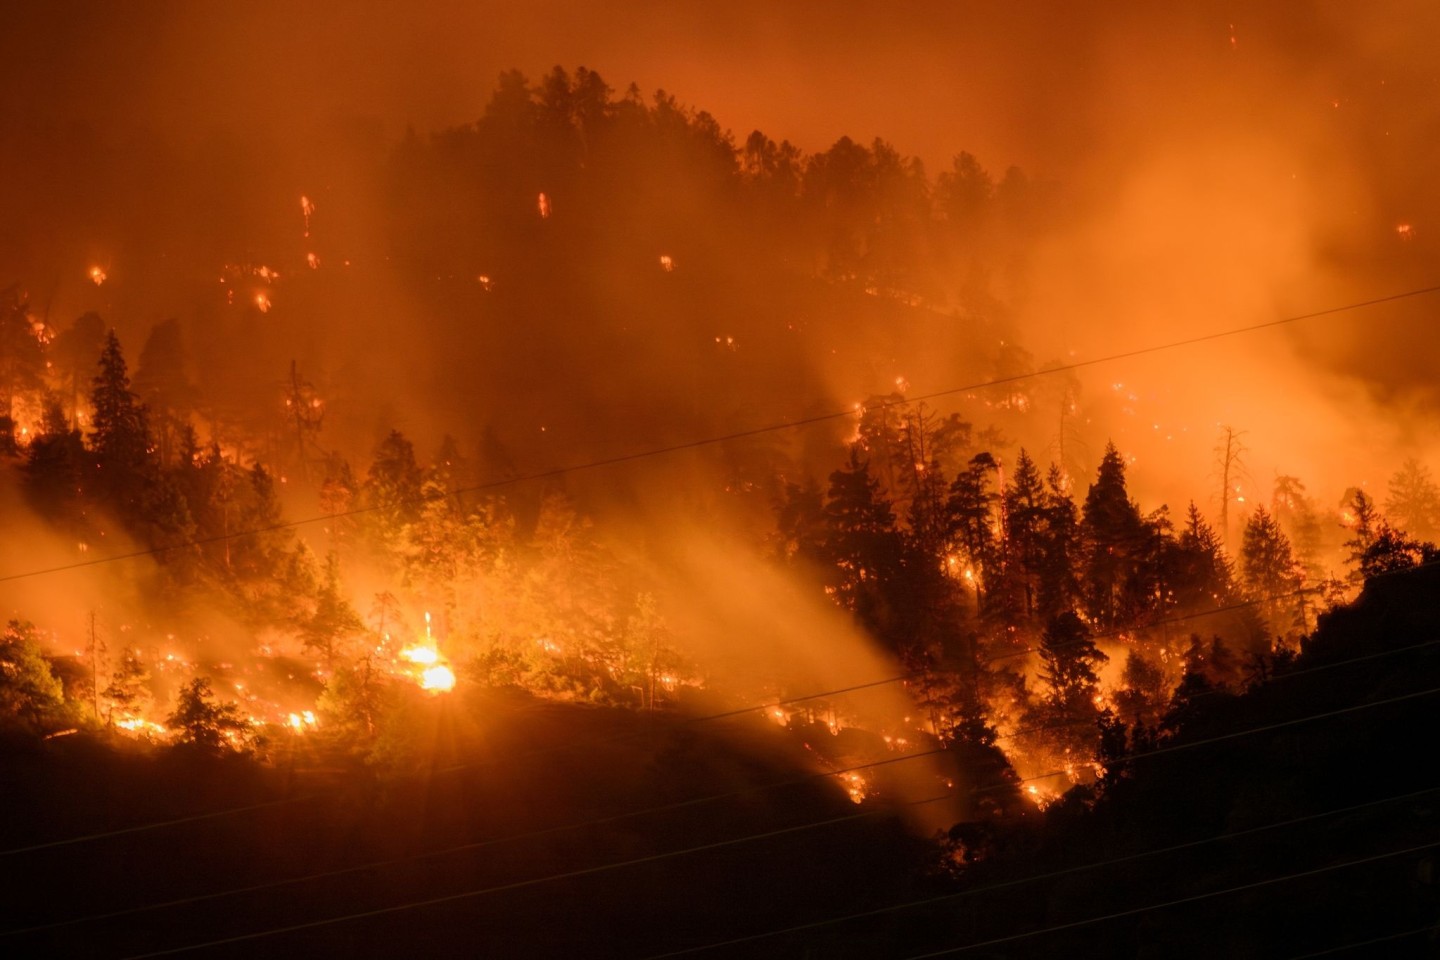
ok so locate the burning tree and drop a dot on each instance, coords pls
(203, 722)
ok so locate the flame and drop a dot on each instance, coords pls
(306, 209)
(313, 261)
(422, 655)
(438, 678)
(542, 203)
(855, 786)
(1405, 231)
(666, 263)
(262, 302)
(97, 276)
(484, 281)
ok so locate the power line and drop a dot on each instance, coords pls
(521, 884)
(769, 704)
(587, 744)
(463, 847)
(612, 818)
(1178, 902)
(1219, 690)
(157, 825)
(728, 437)
(1430, 928)
(657, 857)
(1035, 878)
(1189, 745)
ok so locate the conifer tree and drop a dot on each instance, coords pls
(1114, 537)
(120, 435)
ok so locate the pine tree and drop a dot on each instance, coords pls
(1058, 587)
(1068, 708)
(861, 543)
(1268, 567)
(163, 385)
(1413, 504)
(202, 722)
(1025, 527)
(392, 488)
(129, 689)
(334, 620)
(120, 434)
(55, 470)
(1359, 514)
(1267, 564)
(1203, 577)
(1298, 517)
(971, 521)
(1114, 536)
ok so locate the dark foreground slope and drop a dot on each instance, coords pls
(1293, 820)
(517, 835)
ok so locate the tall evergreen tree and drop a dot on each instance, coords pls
(1025, 529)
(1413, 501)
(1114, 537)
(971, 519)
(1058, 587)
(120, 433)
(862, 543)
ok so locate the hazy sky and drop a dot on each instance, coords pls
(1015, 83)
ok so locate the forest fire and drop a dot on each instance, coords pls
(501, 484)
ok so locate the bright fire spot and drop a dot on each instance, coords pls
(438, 677)
(262, 302)
(423, 655)
(97, 275)
(666, 263)
(855, 786)
(313, 261)
(902, 385)
(542, 203)
(484, 281)
(1404, 230)
(306, 209)
(140, 726)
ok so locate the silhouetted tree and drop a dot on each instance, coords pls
(205, 723)
(120, 434)
(1413, 503)
(1114, 536)
(970, 513)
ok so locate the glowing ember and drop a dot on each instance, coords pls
(1405, 231)
(484, 281)
(306, 209)
(437, 678)
(313, 261)
(855, 786)
(262, 303)
(542, 203)
(666, 263)
(97, 276)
